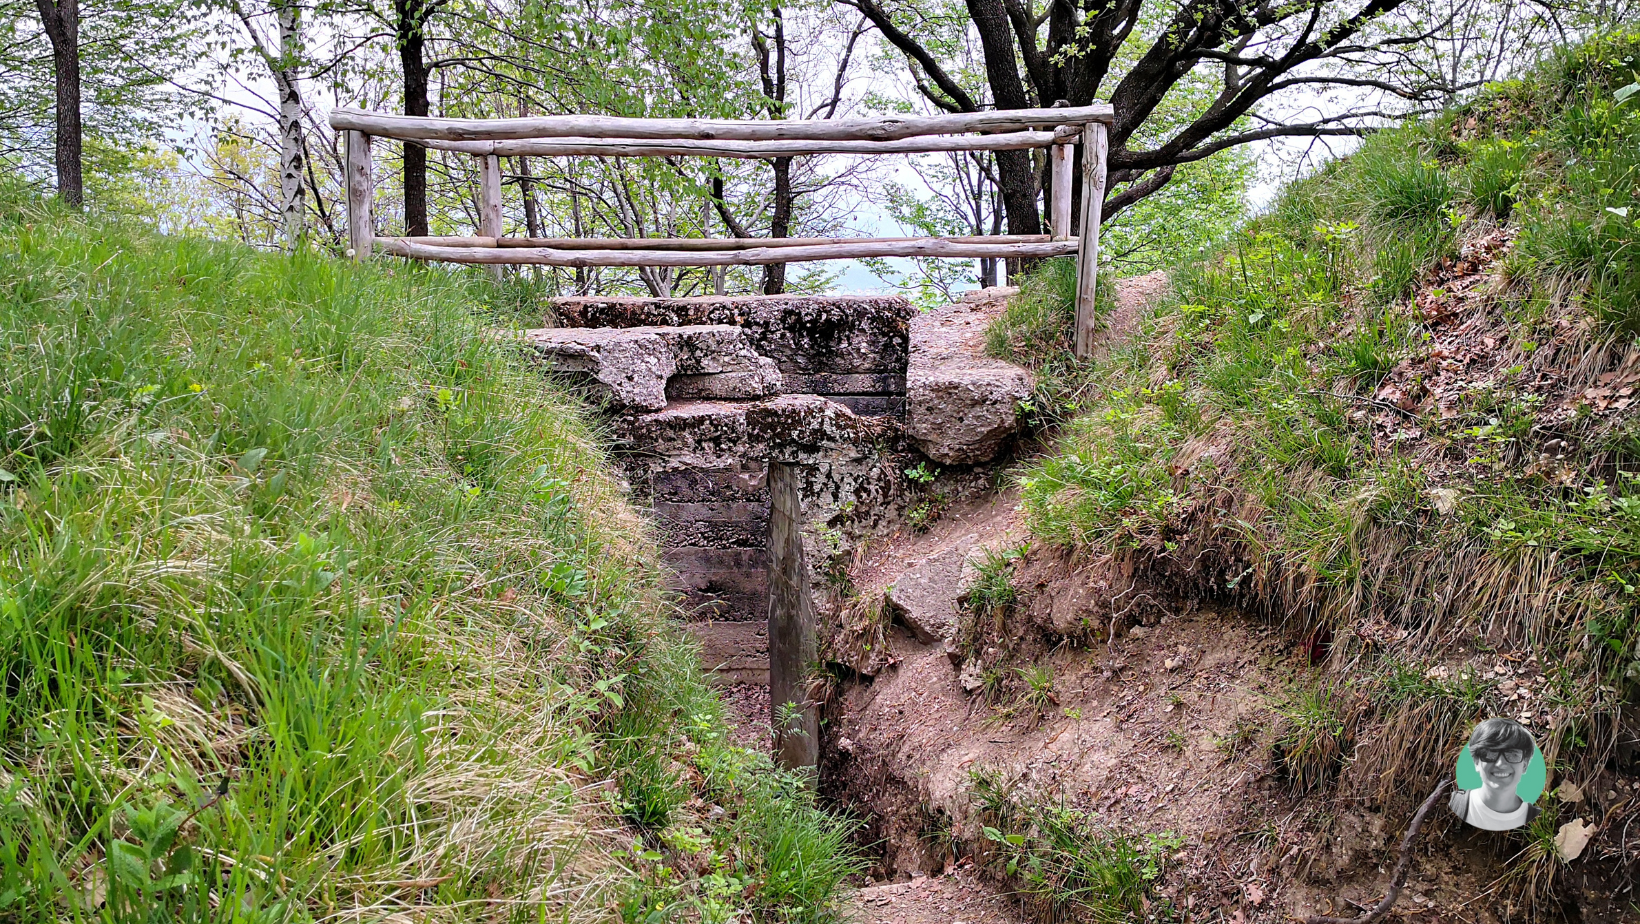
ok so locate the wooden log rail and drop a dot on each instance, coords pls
(1059, 129)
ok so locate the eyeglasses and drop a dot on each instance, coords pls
(1513, 755)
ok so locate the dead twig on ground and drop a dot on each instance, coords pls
(1403, 865)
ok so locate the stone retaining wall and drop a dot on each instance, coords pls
(706, 393)
(851, 349)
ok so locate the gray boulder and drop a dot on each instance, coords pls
(961, 405)
(925, 597)
(635, 367)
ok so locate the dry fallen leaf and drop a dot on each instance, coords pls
(1446, 499)
(1573, 837)
(1255, 895)
(1569, 792)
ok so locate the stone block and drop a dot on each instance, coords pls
(737, 651)
(721, 385)
(961, 405)
(632, 366)
(741, 483)
(720, 434)
(802, 334)
(872, 405)
(925, 597)
(827, 384)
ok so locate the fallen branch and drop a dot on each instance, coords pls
(1402, 866)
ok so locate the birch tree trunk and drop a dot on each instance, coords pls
(287, 83)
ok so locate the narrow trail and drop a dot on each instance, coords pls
(959, 896)
(990, 520)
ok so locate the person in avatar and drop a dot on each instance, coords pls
(1501, 749)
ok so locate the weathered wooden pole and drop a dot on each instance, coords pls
(489, 202)
(361, 196)
(792, 645)
(1094, 142)
(1060, 226)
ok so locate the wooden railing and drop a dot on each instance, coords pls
(1058, 129)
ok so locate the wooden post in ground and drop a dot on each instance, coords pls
(1061, 223)
(792, 646)
(1094, 142)
(489, 202)
(361, 195)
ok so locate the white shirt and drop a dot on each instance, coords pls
(1488, 820)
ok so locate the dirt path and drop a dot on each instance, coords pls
(932, 717)
(957, 898)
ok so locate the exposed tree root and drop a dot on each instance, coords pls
(1402, 866)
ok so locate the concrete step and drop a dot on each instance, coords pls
(734, 652)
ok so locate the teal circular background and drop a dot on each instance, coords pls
(1531, 781)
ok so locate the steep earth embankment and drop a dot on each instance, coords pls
(1367, 477)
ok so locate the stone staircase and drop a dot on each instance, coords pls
(848, 393)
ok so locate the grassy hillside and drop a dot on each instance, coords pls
(1398, 411)
(317, 604)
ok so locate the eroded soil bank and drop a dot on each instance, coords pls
(1169, 732)
(974, 717)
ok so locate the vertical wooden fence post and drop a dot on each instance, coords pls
(489, 202)
(792, 644)
(361, 196)
(1094, 142)
(1061, 223)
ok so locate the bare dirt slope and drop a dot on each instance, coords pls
(1159, 717)
(958, 896)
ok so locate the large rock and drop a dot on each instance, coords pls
(719, 434)
(925, 597)
(639, 368)
(851, 348)
(962, 406)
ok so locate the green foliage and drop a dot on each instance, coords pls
(993, 593)
(775, 854)
(1312, 739)
(309, 588)
(1038, 324)
(1064, 860)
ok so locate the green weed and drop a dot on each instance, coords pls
(1066, 863)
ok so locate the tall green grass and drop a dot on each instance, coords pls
(316, 603)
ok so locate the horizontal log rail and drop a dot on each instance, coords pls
(885, 128)
(1063, 129)
(700, 243)
(753, 150)
(416, 249)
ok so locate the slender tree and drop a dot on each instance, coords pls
(410, 21)
(61, 19)
(283, 53)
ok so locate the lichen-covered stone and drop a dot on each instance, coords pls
(962, 406)
(837, 335)
(632, 367)
(628, 367)
(719, 434)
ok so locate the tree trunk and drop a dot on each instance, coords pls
(532, 212)
(1015, 173)
(286, 82)
(62, 23)
(409, 24)
(780, 225)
